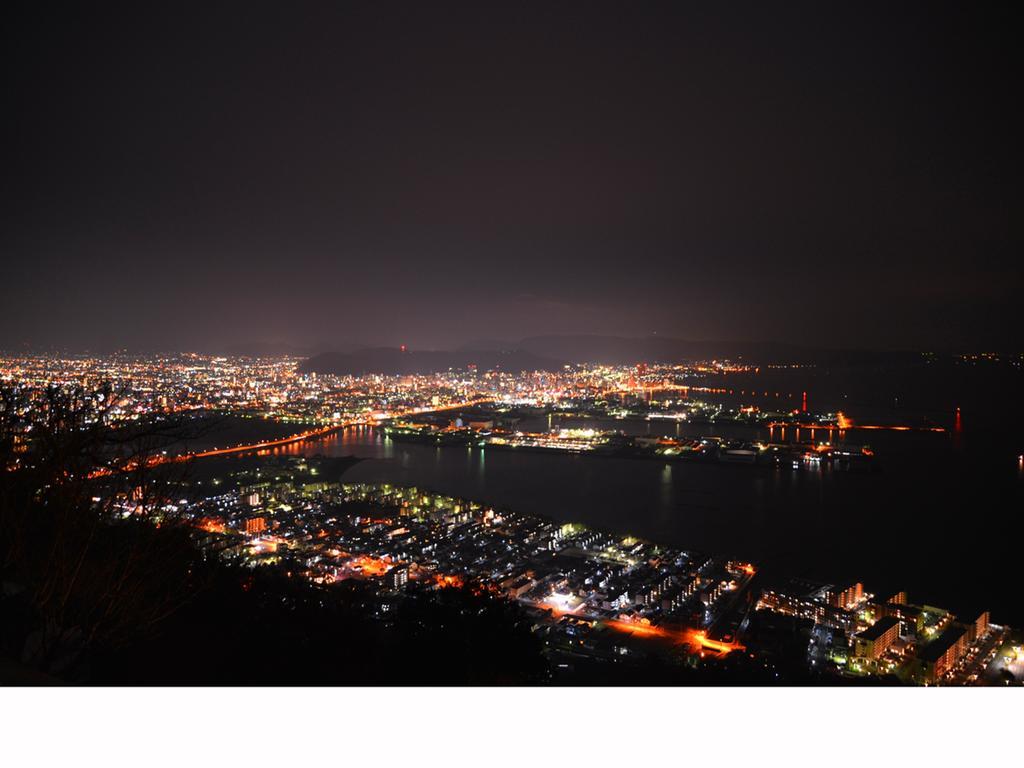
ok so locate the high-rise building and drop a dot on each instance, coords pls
(876, 639)
(255, 525)
(980, 626)
(397, 577)
(938, 657)
(845, 597)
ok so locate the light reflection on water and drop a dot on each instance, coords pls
(879, 527)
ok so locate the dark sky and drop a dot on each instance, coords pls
(433, 173)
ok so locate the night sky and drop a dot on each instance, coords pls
(840, 174)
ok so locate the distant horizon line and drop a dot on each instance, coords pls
(289, 349)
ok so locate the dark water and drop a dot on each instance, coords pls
(945, 530)
(943, 518)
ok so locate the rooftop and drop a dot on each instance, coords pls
(935, 650)
(879, 628)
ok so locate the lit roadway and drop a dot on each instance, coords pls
(311, 434)
(697, 640)
(322, 431)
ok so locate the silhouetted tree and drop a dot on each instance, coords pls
(81, 561)
(103, 583)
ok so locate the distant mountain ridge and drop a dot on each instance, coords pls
(393, 361)
(548, 353)
(620, 350)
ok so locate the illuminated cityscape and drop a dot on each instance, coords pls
(275, 388)
(503, 382)
(589, 594)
